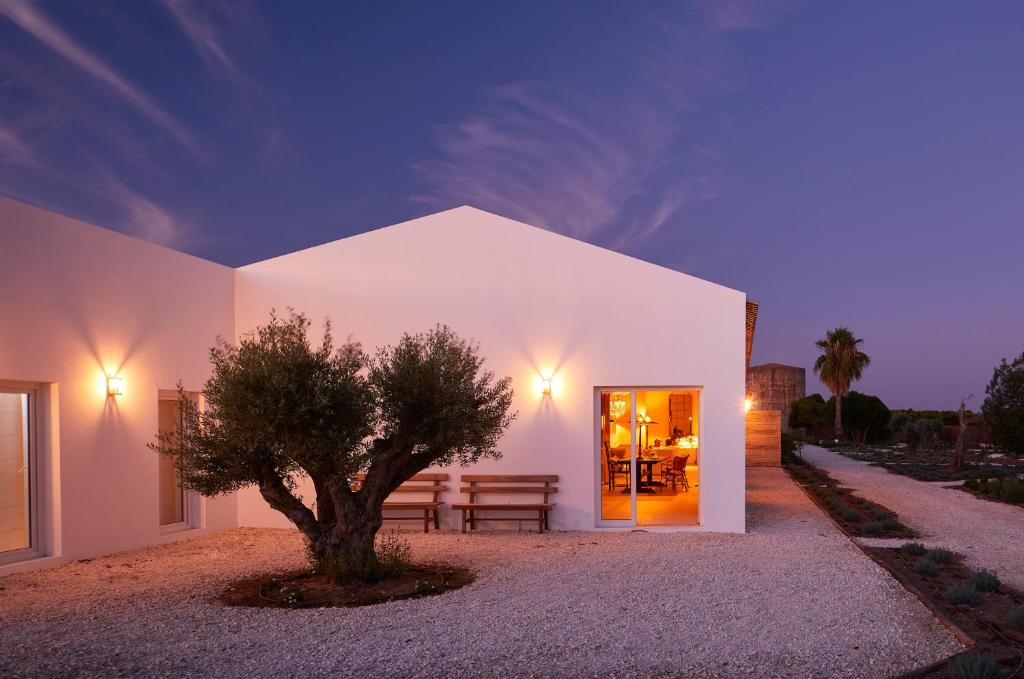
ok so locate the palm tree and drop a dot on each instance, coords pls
(840, 363)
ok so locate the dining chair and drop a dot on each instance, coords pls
(614, 467)
(676, 473)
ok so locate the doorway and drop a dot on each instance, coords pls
(173, 498)
(648, 456)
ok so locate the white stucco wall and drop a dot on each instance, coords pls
(537, 303)
(76, 301)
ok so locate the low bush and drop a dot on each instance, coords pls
(849, 515)
(984, 580)
(927, 568)
(874, 527)
(1006, 489)
(892, 524)
(973, 666)
(913, 548)
(1016, 618)
(394, 554)
(940, 555)
(963, 594)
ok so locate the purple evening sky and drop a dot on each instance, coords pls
(842, 163)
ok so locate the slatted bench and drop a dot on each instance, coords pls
(425, 484)
(504, 484)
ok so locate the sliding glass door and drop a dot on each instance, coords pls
(18, 535)
(648, 456)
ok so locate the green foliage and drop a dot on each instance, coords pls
(947, 417)
(940, 555)
(809, 413)
(1004, 405)
(913, 548)
(916, 432)
(791, 448)
(849, 515)
(1006, 489)
(974, 666)
(865, 417)
(984, 580)
(278, 408)
(963, 595)
(394, 554)
(840, 363)
(1016, 617)
(892, 524)
(927, 568)
(874, 527)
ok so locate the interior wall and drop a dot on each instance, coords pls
(85, 306)
(538, 304)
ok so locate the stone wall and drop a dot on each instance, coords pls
(775, 387)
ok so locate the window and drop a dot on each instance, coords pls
(173, 499)
(18, 496)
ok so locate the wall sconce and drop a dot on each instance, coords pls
(115, 386)
(545, 386)
(747, 405)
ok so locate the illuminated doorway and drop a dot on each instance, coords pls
(648, 456)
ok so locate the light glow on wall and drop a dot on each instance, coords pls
(748, 404)
(547, 384)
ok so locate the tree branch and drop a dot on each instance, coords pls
(277, 495)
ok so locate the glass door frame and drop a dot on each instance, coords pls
(189, 499)
(598, 456)
(34, 548)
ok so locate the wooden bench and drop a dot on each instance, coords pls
(425, 484)
(490, 484)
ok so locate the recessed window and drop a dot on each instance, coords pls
(174, 500)
(18, 530)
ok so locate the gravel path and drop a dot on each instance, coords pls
(989, 534)
(791, 598)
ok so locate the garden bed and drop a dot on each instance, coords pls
(856, 515)
(935, 465)
(988, 612)
(302, 589)
(1008, 489)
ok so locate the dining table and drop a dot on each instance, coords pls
(644, 471)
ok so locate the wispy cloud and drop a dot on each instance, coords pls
(615, 169)
(31, 20)
(144, 218)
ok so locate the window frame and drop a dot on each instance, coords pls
(35, 547)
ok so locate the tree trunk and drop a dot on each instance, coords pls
(345, 550)
(961, 440)
(838, 428)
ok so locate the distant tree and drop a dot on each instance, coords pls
(1004, 405)
(840, 363)
(865, 417)
(809, 413)
(961, 436)
(916, 432)
(278, 409)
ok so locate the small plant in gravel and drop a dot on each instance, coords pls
(973, 666)
(1016, 617)
(963, 594)
(849, 515)
(984, 580)
(394, 554)
(940, 555)
(913, 548)
(874, 527)
(293, 596)
(927, 568)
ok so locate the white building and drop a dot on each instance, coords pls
(618, 341)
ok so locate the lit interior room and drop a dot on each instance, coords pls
(656, 461)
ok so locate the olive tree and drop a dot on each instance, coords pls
(278, 409)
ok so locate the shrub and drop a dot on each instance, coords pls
(940, 555)
(973, 666)
(849, 515)
(927, 568)
(892, 524)
(963, 595)
(913, 548)
(984, 580)
(878, 511)
(1016, 618)
(874, 527)
(394, 554)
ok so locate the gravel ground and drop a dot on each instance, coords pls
(791, 598)
(989, 534)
